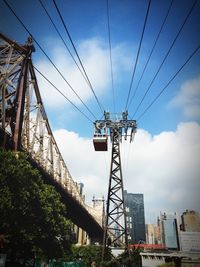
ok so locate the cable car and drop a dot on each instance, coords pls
(100, 142)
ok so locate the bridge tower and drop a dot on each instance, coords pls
(115, 229)
(16, 75)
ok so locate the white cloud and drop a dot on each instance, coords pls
(95, 57)
(165, 167)
(188, 99)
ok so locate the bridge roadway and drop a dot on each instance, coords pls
(76, 211)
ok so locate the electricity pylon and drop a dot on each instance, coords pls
(115, 229)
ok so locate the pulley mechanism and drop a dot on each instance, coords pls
(107, 127)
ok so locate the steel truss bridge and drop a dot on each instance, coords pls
(24, 126)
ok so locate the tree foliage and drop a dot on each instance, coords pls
(131, 259)
(90, 253)
(32, 216)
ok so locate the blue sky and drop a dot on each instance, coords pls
(174, 112)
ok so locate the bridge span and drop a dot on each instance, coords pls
(24, 126)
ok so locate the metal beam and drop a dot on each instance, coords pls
(24, 120)
(115, 229)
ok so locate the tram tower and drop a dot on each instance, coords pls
(115, 229)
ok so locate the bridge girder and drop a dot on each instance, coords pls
(24, 126)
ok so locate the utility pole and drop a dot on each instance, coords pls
(115, 229)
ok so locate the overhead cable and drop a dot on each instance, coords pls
(62, 93)
(110, 54)
(167, 54)
(66, 46)
(73, 45)
(138, 52)
(173, 77)
(10, 8)
(152, 50)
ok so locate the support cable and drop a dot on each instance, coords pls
(166, 56)
(152, 50)
(62, 93)
(165, 87)
(10, 8)
(56, 28)
(110, 54)
(73, 45)
(138, 52)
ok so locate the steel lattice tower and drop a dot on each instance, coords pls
(116, 221)
(115, 229)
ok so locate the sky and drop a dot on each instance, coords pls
(163, 160)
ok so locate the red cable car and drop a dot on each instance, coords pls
(100, 142)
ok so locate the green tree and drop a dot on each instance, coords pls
(90, 253)
(132, 259)
(32, 216)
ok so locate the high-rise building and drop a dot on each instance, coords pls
(169, 230)
(99, 209)
(190, 234)
(135, 217)
(152, 234)
(190, 221)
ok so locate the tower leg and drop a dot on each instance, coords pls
(115, 231)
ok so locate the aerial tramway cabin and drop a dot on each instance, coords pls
(100, 142)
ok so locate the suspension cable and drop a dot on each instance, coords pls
(138, 52)
(173, 77)
(167, 54)
(61, 93)
(10, 8)
(56, 28)
(75, 50)
(110, 54)
(152, 50)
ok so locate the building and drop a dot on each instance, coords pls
(182, 259)
(152, 234)
(190, 221)
(169, 230)
(190, 241)
(99, 209)
(135, 217)
(157, 235)
(180, 248)
(190, 234)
